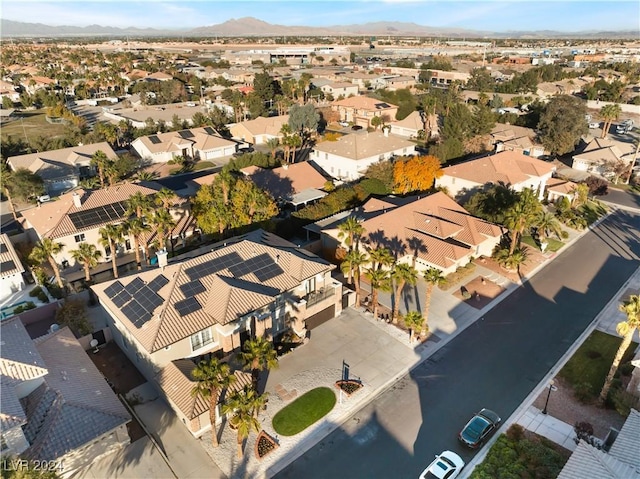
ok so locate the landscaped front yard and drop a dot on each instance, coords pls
(304, 411)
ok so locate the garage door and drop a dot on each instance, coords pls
(323, 316)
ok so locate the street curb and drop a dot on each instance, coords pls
(524, 406)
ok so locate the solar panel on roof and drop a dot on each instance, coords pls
(158, 283)
(3, 248)
(210, 130)
(268, 272)
(186, 134)
(114, 289)
(213, 266)
(187, 306)
(96, 216)
(192, 288)
(7, 266)
(135, 286)
(148, 299)
(121, 298)
(252, 265)
(154, 139)
(136, 313)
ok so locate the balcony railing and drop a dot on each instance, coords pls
(316, 297)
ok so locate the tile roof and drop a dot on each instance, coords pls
(561, 186)
(358, 146)
(588, 462)
(176, 381)
(365, 103)
(237, 277)
(505, 132)
(264, 126)
(286, 181)
(201, 139)
(626, 447)
(52, 219)
(10, 263)
(606, 150)
(413, 121)
(508, 167)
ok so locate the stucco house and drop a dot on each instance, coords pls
(338, 89)
(516, 138)
(56, 405)
(196, 143)
(412, 125)
(558, 188)
(510, 168)
(62, 169)
(361, 109)
(602, 155)
(11, 269)
(213, 301)
(259, 130)
(434, 230)
(349, 156)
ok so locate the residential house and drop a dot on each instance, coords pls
(510, 168)
(568, 86)
(259, 130)
(34, 83)
(212, 302)
(516, 138)
(621, 461)
(138, 116)
(158, 76)
(361, 109)
(412, 126)
(56, 405)
(297, 184)
(603, 155)
(77, 218)
(446, 78)
(339, 89)
(394, 82)
(196, 143)
(62, 169)
(363, 80)
(447, 235)
(8, 89)
(349, 156)
(11, 269)
(558, 188)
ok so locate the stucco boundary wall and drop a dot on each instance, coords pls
(625, 107)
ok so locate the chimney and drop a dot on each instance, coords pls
(77, 200)
(163, 258)
(385, 131)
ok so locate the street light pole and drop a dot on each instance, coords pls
(546, 403)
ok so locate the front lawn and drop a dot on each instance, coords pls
(32, 124)
(304, 411)
(592, 211)
(590, 364)
(522, 454)
(554, 244)
(203, 165)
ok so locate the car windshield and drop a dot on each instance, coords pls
(475, 428)
(445, 463)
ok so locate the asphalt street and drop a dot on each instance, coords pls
(495, 363)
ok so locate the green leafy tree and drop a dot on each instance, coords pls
(73, 313)
(547, 223)
(110, 236)
(212, 377)
(415, 322)
(401, 274)
(380, 257)
(241, 406)
(511, 260)
(432, 277)
(45, 250)
(562, 124)
(626, 329)
(100, 161)
(23, 184)
(139, 204)
(165, 198)
(87, 255)
(163, 223)
(304, 119)
(258, 355)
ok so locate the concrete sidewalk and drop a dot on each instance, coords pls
(548, 426)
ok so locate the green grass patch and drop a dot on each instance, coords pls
(591, 362)
(33, 124)
(304, 411)
(592, 211)
(203, 165)
(522, 454)
(554, 244)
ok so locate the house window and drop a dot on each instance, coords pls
(79, 238)
(107, 251)
(453, 181)
(127, 244)
(201, 339)
(326, 156)
(310, 285)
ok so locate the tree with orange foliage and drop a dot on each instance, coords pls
(416, 174)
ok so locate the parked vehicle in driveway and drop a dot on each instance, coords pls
(445, 466)
(594, 124)
(480, 426)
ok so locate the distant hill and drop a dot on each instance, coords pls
(249, 26)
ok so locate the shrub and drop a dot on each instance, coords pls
(597, 186)
(35, 291)
(374, 186)
(583, 392)
(626, 369)
(623, 401)
(564, 235)
(73, 313)
(515, 432)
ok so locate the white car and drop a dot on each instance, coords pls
(594, 124)
(445, 466)
(344, 123)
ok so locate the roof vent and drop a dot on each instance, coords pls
(77, 200)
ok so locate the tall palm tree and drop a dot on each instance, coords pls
(87, 255)
(5, 181)
(164, 222)
(351, 230)
(110, 236)
(136, 227)
(433, 277)
(414, 321)
(380, 281)
(45, 250)
(212, 377)
(352, 263)
(520, 216)
(609, 113)
(547, 223)
(273, 144)
(100, 161)
(165, 198)
(139, 204)
(417, 246)
(380, 257)
(258, 355)
(401, 274)
(626, 329)
(240, 406)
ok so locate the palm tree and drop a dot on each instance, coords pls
(433, 277)
(351, 230)
(139, 204)
(110, 236)
(100, 161)
(417, 246)
(380, 281)
(414, 321)
(165, 198)
(273, 144)
(5, 181)
(547, 223)
(212, 377)
(609, 113)
(380, 257)
(163, 221)
(87, 255)
(626, 329)
(520, 216)
(45, 250)
(401, 274)
(352, 263)
(258, 355)
(135, 227)
(511, 261)
(240, 406)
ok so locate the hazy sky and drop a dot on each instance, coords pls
(480, 15)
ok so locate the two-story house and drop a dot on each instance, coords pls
(339, 89)
(349, 156)
(56, 405)
(252, 285)
(62, 169)
(360, 110)
(11, 269)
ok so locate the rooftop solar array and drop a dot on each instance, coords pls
(137, 300)
(210, 130)
(121, 298)
(136, 313)
(186, 134)
(211, 267)
(187, 306)
(114, 289)
(262, 266)
(158, 283)
(7, 266)
(154, 139)
(3, 248)
(99, 215)
(192, 288)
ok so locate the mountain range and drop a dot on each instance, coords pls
(252, 27)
